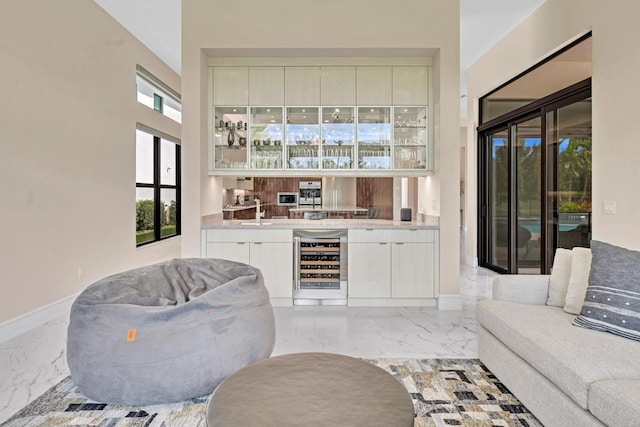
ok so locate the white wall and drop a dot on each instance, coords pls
(67, 165)
(327, 26)
(616, 152)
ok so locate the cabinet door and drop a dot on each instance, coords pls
(413, 273)
(229, 250)
(266, 86)
(410, 86)
(369, 270)
(302, 86)
(374, 85)
(338, 86)
(275, 261)
(230, 86)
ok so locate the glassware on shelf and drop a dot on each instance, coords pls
(302, 134)
(230, 138)
(266, 133)
(338, 137)
(374, 138)
(410, 137)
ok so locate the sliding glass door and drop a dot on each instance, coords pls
(528, 176)
(569, 175)
(535, 184)
(498, 199)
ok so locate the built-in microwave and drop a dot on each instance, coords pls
(287, 199)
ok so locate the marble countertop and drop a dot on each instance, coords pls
(431, 223)
(321, 209)
(234, 208)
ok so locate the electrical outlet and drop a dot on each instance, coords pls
(80, 272)
(434, 204)
(609, 207)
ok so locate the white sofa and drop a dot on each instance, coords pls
(564, 374)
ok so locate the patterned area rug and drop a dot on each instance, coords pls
(445, 392)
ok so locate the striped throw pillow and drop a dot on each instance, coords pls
(612, 301)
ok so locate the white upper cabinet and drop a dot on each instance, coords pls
(230, 86)
(410, 86)
(302, 86)
(374, 85)
(338, 86)
(266, 86)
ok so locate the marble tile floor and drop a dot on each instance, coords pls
(33, 362)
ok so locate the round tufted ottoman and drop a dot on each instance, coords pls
(168, 332)
(310, 389)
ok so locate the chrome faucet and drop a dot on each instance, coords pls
(259, 214)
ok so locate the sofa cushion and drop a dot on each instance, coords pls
(559, 279)
(616, 402)
(572, 358)
(612, 302)
(579, 280)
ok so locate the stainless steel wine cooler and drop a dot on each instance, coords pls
(320, 267)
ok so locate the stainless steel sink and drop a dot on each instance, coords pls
(255, 223)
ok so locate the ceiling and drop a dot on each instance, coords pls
(157, 24)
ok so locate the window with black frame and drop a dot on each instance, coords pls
(157, 186)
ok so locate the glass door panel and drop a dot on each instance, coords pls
(266, 132)
(410, 137)
(230, 138)
(498, 199)
(338, 137)
(528, 175)
(302, 138)
(569, 175)
(374, 138)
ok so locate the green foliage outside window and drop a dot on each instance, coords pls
(144, 220)
(144, 215)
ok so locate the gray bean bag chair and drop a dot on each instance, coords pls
(168, 332)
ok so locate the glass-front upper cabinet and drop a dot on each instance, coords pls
(374, 137)
(410, 137)
(266, 134)
(338, 137)
(302, 135)
(230, 138)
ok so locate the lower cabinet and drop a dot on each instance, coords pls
(271, 251)
(369, 270)
(233, 251)
(412, 270)
(385, 266)
(398, 265)
(275, 260)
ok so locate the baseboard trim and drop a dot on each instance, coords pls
(391, 302)
(28, 321)
(450, 302)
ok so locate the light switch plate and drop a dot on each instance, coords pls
(609, 207)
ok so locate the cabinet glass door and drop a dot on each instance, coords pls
(302, 138)
(230, 138)
(410, 137)
(266, 133)
(374, 138)
(338, 137)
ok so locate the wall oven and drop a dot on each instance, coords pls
(310, 193)
(287, 199)
(320, 267)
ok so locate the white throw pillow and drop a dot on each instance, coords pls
(579, 280)
(559, 280)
